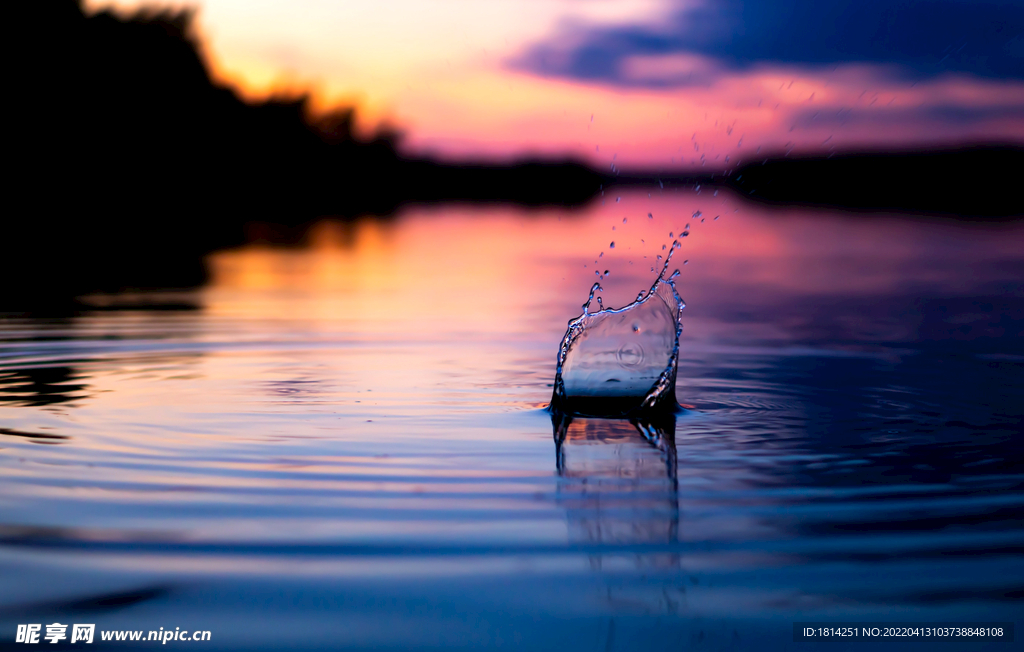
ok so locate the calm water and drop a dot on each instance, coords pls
(345, 444)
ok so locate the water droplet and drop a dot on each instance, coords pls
(663, 247)
(623, 220)
(697, 189)
(618, 199)
(716, 194)
(636, 327)
(686, 262)
(687, 225)
(696, 214)
(671, 235)
(595, 288)
(717, 216)
(686, 233)
(600, 255)
(640, 295)
(606, 272)
(650, 216)
(599, 302)
(613, 228)
(659, 256)
(612, 245)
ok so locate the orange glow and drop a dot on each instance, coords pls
(499, 271)
(440, 71)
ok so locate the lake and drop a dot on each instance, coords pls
(345, 443)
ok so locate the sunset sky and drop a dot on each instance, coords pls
(654, 83)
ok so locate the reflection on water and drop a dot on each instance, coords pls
(345, 444)
(617, 484)
(39, 386)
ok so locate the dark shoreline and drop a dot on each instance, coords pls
(132, 163)
(57, 258)
(975, 182)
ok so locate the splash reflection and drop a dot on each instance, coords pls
(617, 481)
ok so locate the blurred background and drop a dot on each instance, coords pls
(284, 282)
(198, 126)
(651, 84)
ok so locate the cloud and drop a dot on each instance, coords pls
(699, 43)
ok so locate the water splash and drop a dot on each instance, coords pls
(622, 361)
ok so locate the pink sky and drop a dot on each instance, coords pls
(444, 73)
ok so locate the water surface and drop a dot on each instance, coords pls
(345, 444)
